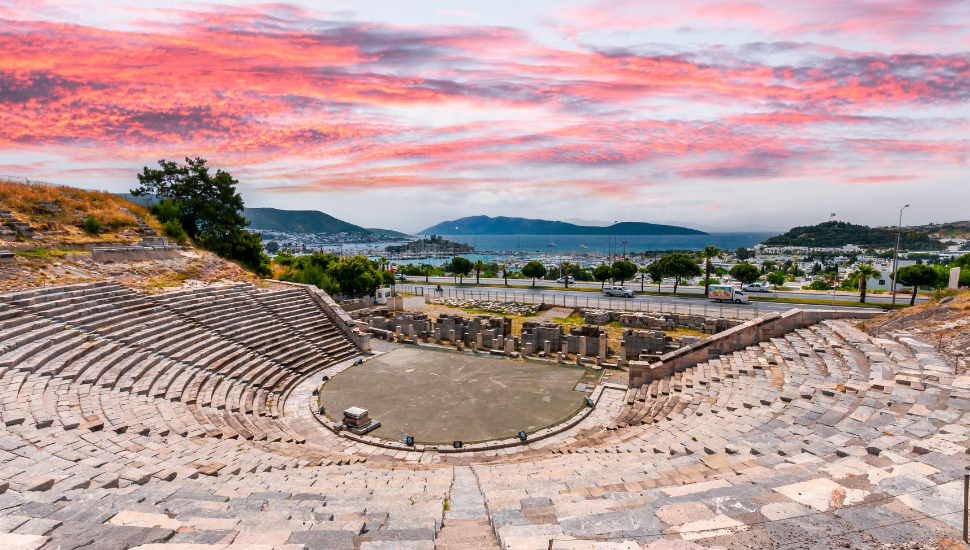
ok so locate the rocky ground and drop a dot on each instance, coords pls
(944, 324)
(195, 268)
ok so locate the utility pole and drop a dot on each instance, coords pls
(899, 232)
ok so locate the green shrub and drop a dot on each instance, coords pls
(173, 229)
(92, 225)
(818, 285)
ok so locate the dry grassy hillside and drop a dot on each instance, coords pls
(59, 252)
(32, 203)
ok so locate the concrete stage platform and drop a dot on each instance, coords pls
(439, 396)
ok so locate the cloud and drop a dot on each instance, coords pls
(301, 101)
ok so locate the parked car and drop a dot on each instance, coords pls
(721, 293)
(401, 277)
(563, 280)
(757, 287)
(618, 291)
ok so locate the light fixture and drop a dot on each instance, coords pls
(325, 378)
(316, 391)
(408, 440)
(523, 436)
(458, 444)
(322, 410)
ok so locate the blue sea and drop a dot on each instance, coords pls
(604, 244)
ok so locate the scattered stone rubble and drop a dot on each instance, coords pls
(508, 308)
(658, 321)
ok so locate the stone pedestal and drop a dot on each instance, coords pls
(602, 354)
(509, 347)
(547, 346)
(560, 357)
(358, 421)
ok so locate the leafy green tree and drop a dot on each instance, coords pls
(461, 267)
(602, 274)
(708, 255)
(679, 266)
(388, 277)
(355, 275)
(916, 276)
(864, 273)
(167, 210)
(777, 278)
(963, 262)
(534, 270)
(211, 209)
(656, 272)
(622, 271)
(308, 270)
(745, 272)
(819, 285)
(479, 267)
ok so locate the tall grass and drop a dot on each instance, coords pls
(25, 201)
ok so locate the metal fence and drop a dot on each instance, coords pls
(646, 305)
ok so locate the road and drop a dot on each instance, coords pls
(651, 289)
(641, 302)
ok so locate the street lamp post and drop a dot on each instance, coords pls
(899, 232)
(454, 250)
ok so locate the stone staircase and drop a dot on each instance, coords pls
(466, 525)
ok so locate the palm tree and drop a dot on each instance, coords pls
(709, 253)
(383, 261)
(505, 273)
(865, 272)
(427, 272)
(479, 266)
(643, 276)
(565, 269)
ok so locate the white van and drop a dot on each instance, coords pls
(721, 293)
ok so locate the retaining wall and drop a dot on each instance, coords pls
(134, 254)
(734, 339)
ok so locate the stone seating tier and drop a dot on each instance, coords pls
(145, 427)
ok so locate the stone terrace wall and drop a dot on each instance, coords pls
(336, 313)
(734, 339)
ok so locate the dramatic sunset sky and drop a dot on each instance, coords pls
(401, 114)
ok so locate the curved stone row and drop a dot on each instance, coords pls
(130, 420)
(825, 435)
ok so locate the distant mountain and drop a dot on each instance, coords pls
(389, 233)
(299, 221)
(144, 200)
(485, 225)
(838, 234)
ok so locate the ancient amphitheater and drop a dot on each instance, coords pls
(187, 420)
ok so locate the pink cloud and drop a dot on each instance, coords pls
(259, 86)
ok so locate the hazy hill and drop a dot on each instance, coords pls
(837, 234)
(389, 233)
(298, 221)
(485, 225)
